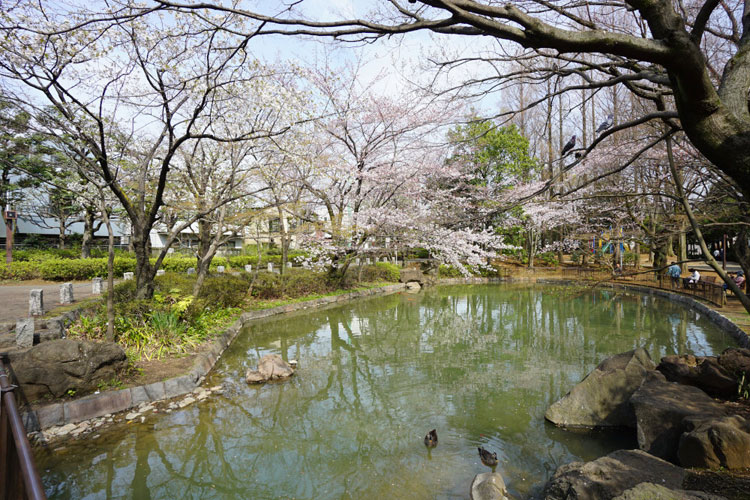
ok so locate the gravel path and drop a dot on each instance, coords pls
(14, 298)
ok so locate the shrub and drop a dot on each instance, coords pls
(381, 271)
(300, 282)
(445, 271)
(547, 258)
(267, 286)
(177, 264)
(19, 271)
(223, 291)
(81, 269)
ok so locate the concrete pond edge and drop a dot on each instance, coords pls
(105, 403)
(98, 405)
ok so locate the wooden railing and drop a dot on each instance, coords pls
(20, 478)
(709, 291)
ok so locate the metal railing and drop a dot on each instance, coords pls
(20, 479)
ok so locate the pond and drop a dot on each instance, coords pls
(480, 363)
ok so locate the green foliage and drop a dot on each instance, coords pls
(445, 271)
(223, 291)
(421, 253)
(630, 258)
(493, 153)
(57, 269)
(381, 271)
(178, 264)
(294, 283)
(546, 258)
(19, 271)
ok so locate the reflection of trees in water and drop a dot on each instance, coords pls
(372, 376)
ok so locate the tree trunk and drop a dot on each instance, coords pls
(683, 246)
(110, 275)
(532, 244)
(88, 232)
(204, 255)
(742, 250)
(144, 271)
(284, 240)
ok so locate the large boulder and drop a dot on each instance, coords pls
(661, 408)
(270, 367)
(716, 443)
(735, 361)
(53, 368)
(488, 486)
(411, 274)
(601, 399)
(612, 475)
(703, 372)
(651, 491)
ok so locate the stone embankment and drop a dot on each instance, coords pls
(137, 414)
(676, 422)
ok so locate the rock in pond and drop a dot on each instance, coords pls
(270, 367)
(661, 409)
(601, 399)
(723, 442)
(55, 367)
(612, 475)
(488, 486)
(703, 372)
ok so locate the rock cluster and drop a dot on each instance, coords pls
(270, 367)
(677, 422)
(53, 368)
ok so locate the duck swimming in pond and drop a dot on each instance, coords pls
(430, 440)
(488, 459)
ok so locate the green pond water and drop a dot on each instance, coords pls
(479, 363)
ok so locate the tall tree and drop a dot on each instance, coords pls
(131, 95)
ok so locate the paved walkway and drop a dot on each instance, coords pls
(14, 298)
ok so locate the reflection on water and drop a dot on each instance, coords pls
(479, 363)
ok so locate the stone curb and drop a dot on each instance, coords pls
(97, 405)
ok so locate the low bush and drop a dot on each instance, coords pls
(381, 271)
(446, 271)
(19, 271)
(224, 291)
(177, 264)
(81, 269)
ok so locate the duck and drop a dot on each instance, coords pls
(488, 458)
(431, 439)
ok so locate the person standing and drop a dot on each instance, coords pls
(674, 272)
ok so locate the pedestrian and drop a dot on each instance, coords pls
(739, 280)
(674, 273)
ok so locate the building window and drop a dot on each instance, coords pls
(274, 225)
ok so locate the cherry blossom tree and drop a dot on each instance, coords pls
(133, 94)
